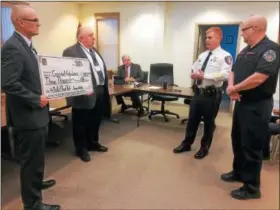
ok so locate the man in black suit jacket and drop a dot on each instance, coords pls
(131, 73)
(27, 110)
(87, 110)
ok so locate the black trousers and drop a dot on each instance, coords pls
(134, 98)
(206, 107)
(86, 123)
(32, 164)
(249, 131)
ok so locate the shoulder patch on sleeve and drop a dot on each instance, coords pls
(228, 60)
(269, 55)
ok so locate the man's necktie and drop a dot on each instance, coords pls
(126, 71)
(203, 67)
(95, 62)
(33, 50)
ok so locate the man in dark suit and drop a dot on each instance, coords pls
(131, 73)
(88, 110)
(27, 110)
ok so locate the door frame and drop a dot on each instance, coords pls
(196, 43)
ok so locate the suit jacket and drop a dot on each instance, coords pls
(135, 72)
(20, 80)
(85, 101)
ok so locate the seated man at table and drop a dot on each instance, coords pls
(274, 129)
(131, 73)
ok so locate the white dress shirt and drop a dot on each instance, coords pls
(94, 69)
(28, 41)
(217, 68)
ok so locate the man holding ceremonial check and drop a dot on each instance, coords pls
(87, 110)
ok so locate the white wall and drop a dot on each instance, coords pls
(165, 32)
(141, 28)
(59, 21)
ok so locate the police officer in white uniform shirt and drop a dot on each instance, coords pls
(209, 72)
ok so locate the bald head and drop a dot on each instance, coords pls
(25, 20)
(254, 29)
(258, 22)
(19, 12)
(85, 36)
(84, 30)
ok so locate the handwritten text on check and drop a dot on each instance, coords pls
(65, 77)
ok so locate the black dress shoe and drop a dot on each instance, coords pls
(230, 177)
(201, 154)
(182, 148)
(47, 184)
(43, 206)
(246, 192)
(84, 156)
(98, 147)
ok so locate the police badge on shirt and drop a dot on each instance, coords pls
(269, 56)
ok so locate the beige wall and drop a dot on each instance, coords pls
(59, 21)
(141, 28)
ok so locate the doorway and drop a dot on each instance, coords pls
(229, 43)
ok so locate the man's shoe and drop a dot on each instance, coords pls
(201, 154)
(98, 147)
(245, 193)
(84, 156)
(230, 177)
(182, 148)
(47, 184)
(43, 206)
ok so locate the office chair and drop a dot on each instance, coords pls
(144, 80)
(159, 73)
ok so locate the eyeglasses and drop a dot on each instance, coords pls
(244, 29)
(35, 20)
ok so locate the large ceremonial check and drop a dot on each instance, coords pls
(65, 77)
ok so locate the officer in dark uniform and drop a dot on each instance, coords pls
(252, 83)
(209, 72)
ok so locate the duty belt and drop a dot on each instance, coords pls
(207, 91)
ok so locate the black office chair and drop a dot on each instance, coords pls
(145, 81)
(160, 73)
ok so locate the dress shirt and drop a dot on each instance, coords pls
(217, 69)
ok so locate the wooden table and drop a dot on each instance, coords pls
(119, 89)
(170, 91)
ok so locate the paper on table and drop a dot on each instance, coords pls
(154, 87)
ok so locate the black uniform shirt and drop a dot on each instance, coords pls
(262, 58)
